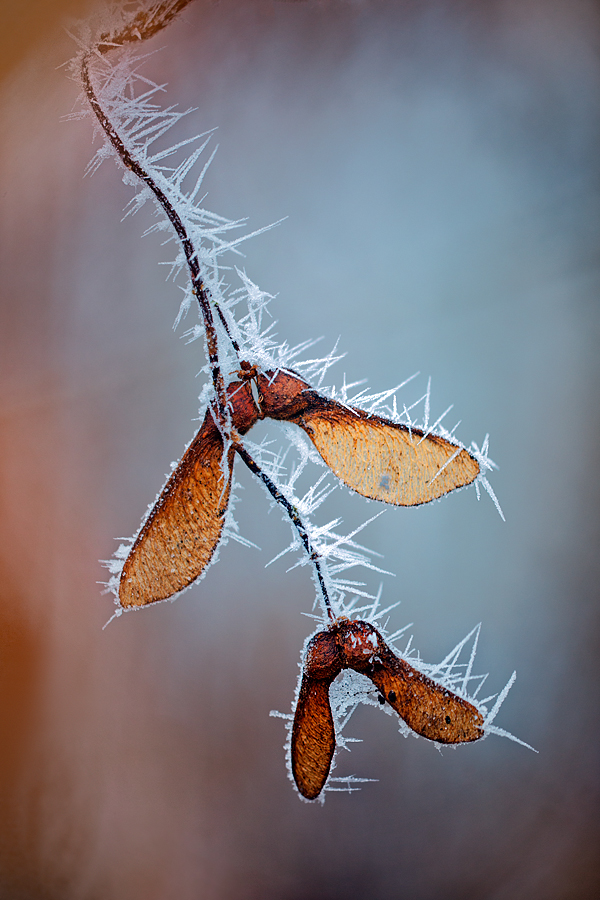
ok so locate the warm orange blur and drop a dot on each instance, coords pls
(29, 23)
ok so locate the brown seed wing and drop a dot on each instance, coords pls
(181, 533)
(385, 461)
(426, 707)
(313, 737)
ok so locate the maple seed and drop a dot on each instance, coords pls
(427, 708)
(377, 458)
(313, 731)
(178, 539)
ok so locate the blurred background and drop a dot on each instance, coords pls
(438, 162)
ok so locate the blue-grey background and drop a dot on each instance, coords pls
(438, 165)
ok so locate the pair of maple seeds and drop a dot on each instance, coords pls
(427, 708)
(378, 458)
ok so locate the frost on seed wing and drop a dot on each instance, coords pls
(380, 459)
(178, 539)
(313, 738)
(385, 461)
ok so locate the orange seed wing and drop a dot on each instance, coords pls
(313, 731)
(383, 460)
(377, 458)
(313, 737)
(427, 708)
(183, 529)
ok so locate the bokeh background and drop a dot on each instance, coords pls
(438, 162)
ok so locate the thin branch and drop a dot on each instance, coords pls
(294, 516)
(198, 287)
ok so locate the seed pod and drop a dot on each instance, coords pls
(377, 458)
(180, 535)
(427, 708)
(313, 731)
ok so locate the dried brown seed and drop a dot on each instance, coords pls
(377, 458)
(323, 658)
(179, 537)
(427, 708)
(183, 529)
(313, 731)
(285, 394)
(242, 405)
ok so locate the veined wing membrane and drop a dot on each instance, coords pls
(313, 737)
(428, 708)
(383, 460)
(183, 529)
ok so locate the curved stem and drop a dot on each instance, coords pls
(145, 24)
(204, 300)
(294, 516)
(198, 288)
